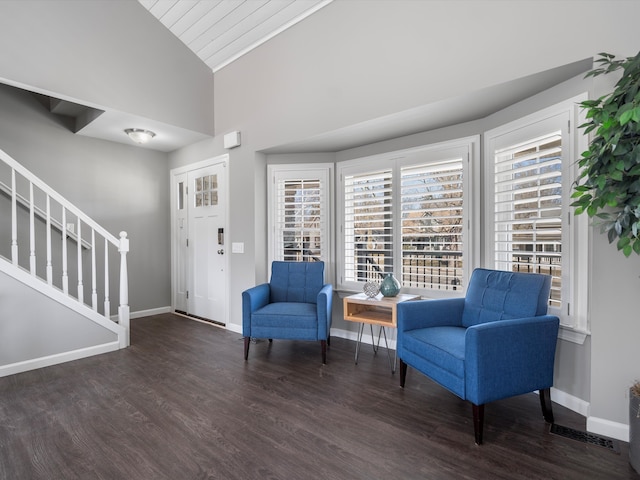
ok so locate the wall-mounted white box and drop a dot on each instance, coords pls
(237, 247)
(232, 140)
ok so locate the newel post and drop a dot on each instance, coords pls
(123, 309)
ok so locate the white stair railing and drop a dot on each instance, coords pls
(44, 226)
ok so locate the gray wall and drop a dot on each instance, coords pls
(32, 335)
(107, 54)
(357, 60)
(121, 187)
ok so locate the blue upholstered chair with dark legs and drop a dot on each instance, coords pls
(295, 305)
(495, 343)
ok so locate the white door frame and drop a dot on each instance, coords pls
(174, 248)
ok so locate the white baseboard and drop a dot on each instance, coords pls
(232, 327)
(607, 428)
(599, 426)
(149, 312)
(569, 401)
(49, 360)
(144, 313)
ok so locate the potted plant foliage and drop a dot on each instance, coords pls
(608, 187)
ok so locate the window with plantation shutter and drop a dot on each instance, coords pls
(528, 209)
(298, 227)
(299, 206)
(408, 213)
(368, 226)
(531, 165)
(431, 202)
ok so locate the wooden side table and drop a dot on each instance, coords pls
(376, 310)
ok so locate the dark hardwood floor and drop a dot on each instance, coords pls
(181, 403)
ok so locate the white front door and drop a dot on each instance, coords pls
(199, 242)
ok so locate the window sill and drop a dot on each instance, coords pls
(573, 335)
(565, 333)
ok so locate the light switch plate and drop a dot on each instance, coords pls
(237, 247)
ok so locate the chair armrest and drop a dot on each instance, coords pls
(429, 313)
(325, 305)
(509, 357)
(253, 299)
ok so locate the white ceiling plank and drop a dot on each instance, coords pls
(176, 12)
(211, 18)
(200, 9)
(235, 17)
(291, 14)
(246, 33)
(219, 31)
(161, 7)
(148, 4)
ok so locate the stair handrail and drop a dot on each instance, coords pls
(121, 242)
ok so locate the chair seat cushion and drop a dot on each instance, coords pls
(286, 315)
(441, 346)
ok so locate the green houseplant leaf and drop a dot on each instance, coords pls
(608, 185)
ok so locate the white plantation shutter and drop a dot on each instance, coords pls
(528, 208)
(431, 204)
(300, 213)
(368, 226)
(299, 220)
(407, 213)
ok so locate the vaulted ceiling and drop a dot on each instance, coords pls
(220, 31)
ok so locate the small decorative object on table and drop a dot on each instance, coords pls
(390, 286)
(371, 289)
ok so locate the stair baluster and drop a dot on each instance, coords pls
(48, 210)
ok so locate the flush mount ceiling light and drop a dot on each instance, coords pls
(139, 135)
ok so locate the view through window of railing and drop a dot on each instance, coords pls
(368, 230)
(299, 220)
(430, 200)
(528, 209)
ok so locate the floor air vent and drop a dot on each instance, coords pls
(585, 437)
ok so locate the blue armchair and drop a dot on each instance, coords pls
(495, 343)
(295, 304)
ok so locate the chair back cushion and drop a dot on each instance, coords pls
(499, 295)
(296, 281)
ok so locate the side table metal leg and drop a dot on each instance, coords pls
(395, 355)
(375, 347)
(359, 339)
(386, 344)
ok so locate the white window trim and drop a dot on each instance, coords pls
(325, 173)
(575, 323)
(468, 146)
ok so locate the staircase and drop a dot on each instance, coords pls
(49, 250)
